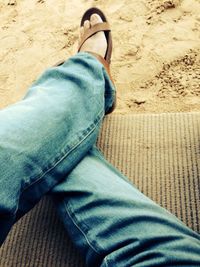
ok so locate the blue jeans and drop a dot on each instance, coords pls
(47, 145)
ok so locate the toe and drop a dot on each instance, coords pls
(86, 25)
(94, 19)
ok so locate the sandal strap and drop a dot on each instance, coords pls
(104, 26)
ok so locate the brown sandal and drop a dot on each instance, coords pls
(107, 31)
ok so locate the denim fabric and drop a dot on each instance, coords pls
(46, 145)
(114, 224)
(47, 133)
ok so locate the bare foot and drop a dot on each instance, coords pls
(97, 43)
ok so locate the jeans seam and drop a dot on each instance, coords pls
(106, 261)
(92, 126)
(76, 223)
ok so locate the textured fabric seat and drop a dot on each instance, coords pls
(159, 153)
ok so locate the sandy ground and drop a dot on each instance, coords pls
(156, 59)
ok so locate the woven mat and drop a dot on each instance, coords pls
(159, 153)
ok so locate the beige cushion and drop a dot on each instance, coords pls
(159, 153)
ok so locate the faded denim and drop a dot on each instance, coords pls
(47, 146)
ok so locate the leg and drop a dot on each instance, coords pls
(114, 224)
(47, 133)
(44, 136)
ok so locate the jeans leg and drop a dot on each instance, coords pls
(46, 134)
(114, 224)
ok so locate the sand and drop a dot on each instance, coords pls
(156, 59)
